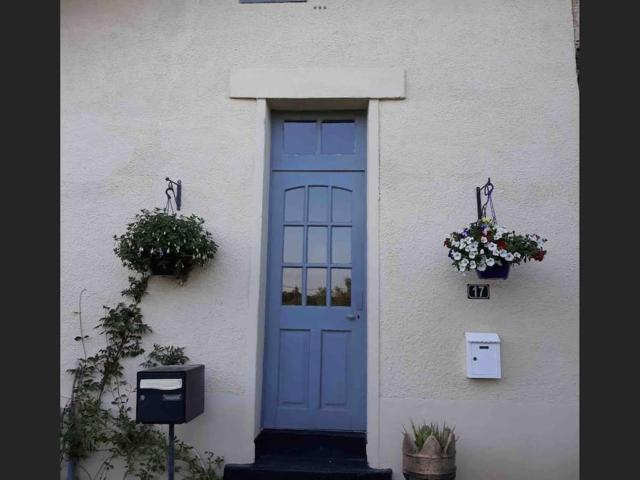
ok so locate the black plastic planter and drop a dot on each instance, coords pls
(163, 268)
(496, 271)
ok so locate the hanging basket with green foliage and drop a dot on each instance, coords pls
(160, 243)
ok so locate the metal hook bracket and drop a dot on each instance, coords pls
(487, 190)
(177, 194)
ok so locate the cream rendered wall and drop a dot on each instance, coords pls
(490, 91)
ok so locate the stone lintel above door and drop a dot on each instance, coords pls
(315, 82)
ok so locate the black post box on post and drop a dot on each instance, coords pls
(169, 395)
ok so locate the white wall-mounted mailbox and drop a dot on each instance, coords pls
(483, 355)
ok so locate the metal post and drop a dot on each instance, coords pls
(478, 189)
(170, 459)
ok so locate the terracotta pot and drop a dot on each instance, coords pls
(496, 271)
(431, 462)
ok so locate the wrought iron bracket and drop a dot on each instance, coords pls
(486, 189)
(177, 193)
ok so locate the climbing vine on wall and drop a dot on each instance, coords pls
(96, 420)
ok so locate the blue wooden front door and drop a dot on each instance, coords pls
(315, 352)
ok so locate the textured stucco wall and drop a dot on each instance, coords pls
(491, 91)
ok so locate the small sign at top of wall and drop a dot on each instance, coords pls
(477, 291)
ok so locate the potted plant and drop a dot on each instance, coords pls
(429, 453)
(159, 243)
(490, 249)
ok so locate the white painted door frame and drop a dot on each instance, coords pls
(369, 85)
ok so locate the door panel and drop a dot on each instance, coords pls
(315, 352)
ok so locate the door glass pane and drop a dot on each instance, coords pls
(300, 137)
(341, 205)
(294, 205)
(317, 245)
(318, 204)
(316, 286)
(337, 137)
(292, 245)
(341, 245)
(341, 287)
(292, 286)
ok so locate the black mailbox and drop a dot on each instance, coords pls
(170, 394)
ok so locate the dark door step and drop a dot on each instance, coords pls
(311, 443)
(308, 455)
(305, 469)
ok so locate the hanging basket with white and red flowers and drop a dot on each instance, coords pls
(488, 248)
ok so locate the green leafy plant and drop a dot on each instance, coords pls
(165, 355)
(89, 427)
(168, 244)
(96, 418)
(441, 433)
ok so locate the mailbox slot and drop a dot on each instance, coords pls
(161, 383)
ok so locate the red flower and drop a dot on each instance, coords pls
(539, 255)
(501, 244)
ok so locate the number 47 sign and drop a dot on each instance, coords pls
(478, 291)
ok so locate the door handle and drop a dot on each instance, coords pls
(352, 316)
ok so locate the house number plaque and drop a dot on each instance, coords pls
(478, 291)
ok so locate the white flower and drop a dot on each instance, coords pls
(467, 249)
(472, 255)
(490, 262)
(498, 235)
(508, 257)
(462, 268)
(457, 255)
(483, 239)
(503, 252)
(496, 253)
(517, 255)
(482, 267)
(482, 251)
(472, 265)
(464, 262)
(492, 246)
